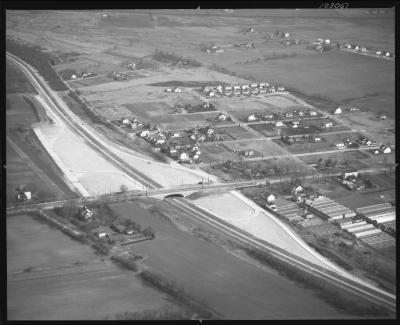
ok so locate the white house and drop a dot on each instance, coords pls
(184, 156)
(270, 198)
(327, 41)
(269, 116)
(252, 118)
(327, 124)
(177, 90)
(379, 53)
(281, 88)
(126, 121)
(348, 46)
(221, 117)
(385, 149)
(168, 90)
(313, 113)
(357, 48)
(340, 145)
(363, 49)
(338, 111)
(145, 133)
(279, 123)
(287, 35)
(74, 76)
(211, 94)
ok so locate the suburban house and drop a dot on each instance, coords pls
(313, 113)
(327, 124)
(221, 117)
(168, 90)
(383, 116)
(183, 156)
(337, 111)
(177, 90)
(385, 149)
(287, 35)
(270, 198)
(84, 213)
(279, 123)
(26, 195)
(144, 133)
(101, 232)
(269, 116)
(340, 145)
(281, 88)
(315, 139)
(247, 153)
(252, 118)
(126, 121)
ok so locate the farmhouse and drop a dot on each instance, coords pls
(278, 123)
(383, 116)
(281, 88)
(177, 90)
(101, 232)
(313, 113)
(314, 138)
(26, 195)
(84, 213)
(338, 111)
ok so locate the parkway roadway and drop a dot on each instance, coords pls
(347, 282)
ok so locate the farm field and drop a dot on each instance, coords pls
(78, 284)
(321, 71)
(217, 278)
(266, 129)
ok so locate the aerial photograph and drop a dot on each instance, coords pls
(200, 164)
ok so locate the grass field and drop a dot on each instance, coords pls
(329, 143)
(89, 289)
(267, 129)
(21, 111)
(217, 278)
(16, 82)
(262, 147)
(339, 156)
(236, 132)
(19, 173)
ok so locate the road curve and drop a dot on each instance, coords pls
(360, 288)
(93, 141)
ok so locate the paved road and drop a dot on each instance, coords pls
(76, 126)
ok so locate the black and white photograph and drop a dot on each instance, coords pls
(199, 163)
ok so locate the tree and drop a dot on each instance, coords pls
(148, 232)
(123, 188)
